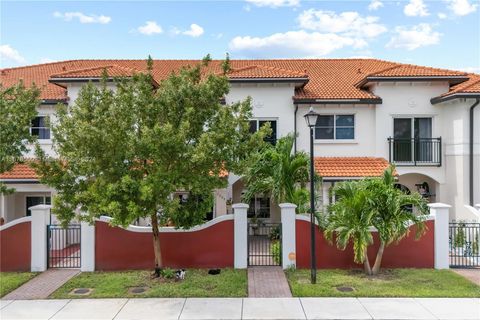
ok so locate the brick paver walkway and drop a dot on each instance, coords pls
(471, 274)
(42, 285)
(267, 282)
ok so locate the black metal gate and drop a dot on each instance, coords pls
(464, 245)
(264, 244)
(63, 246)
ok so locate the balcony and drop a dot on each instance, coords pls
(415, 151)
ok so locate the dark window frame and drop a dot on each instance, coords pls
(40, 128)
(334, 127)
(259, 122)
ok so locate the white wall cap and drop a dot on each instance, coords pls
(287, 205)
(41, 207)
(438, 205)
(15, 222)
(240, 206)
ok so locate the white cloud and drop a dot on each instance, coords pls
(194, 31)
(150, 28)
(47, 60)
(349, 23)
(375, 5)
(8, 53)
(441, 15)
(416, 8)
(274, 3)
(293, 43)
(461, 7)
(415, 37)
(82, 18)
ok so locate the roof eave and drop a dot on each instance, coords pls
(450, 79)
(53, 101)
(299, 81)
(59, 81)
(338, 101)
(19, 181)
(460, 95)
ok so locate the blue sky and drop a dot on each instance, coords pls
(442, 33)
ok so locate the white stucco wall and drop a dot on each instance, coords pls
(363, 144)
(268, 101)
(48, 111)
(456, 122)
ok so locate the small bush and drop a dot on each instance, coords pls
(274, 233)
(168, 273)
(276, 251)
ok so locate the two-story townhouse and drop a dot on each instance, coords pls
(372, 113)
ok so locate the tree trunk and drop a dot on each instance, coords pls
(156, 245)
(378, 259)
(366, 264)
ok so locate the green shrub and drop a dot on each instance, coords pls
(459, 240)
(274, 233)
(276, 251)
(168, 273)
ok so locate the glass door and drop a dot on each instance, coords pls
(423, 139)
(402, 140)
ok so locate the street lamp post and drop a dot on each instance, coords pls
(311, 119)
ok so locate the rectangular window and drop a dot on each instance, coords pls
(33, 201)
(259, 207)
(256, 124)
(39, 128)
(335, 127)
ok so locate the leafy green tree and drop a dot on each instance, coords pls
(17, 109)
(350, 220)
(368, 203)
(124, 152)
(280, 173)
(393, 212)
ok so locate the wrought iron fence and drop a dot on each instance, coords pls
(264, 244)
(415, 152)
(464, 244)
(64, 246)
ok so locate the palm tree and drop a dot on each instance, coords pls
(278, 172)
(375, 203)
(393, 212)
(350, 220)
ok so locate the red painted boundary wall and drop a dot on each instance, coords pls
(15, 247)
(408, 253)
(120, 249)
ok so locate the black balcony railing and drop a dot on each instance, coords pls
(415, 152)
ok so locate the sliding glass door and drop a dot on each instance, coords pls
(412, 139)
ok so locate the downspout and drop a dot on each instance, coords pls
(295, 129)
(471, 148)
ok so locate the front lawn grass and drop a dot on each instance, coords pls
(197, 283)
(390, 283)
(10, 281)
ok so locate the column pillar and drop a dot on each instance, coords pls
(240, 235)
(440, 211)
(87, 246)
(40, 221)
(288, 235)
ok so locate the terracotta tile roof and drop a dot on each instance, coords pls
(20, 171)
(470, 86)
(260, 71)
(329, 79)
(409, 70)
(350, 167)
(112, 71)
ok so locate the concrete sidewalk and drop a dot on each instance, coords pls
(246, 308)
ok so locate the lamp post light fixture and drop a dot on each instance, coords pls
(311, 119)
